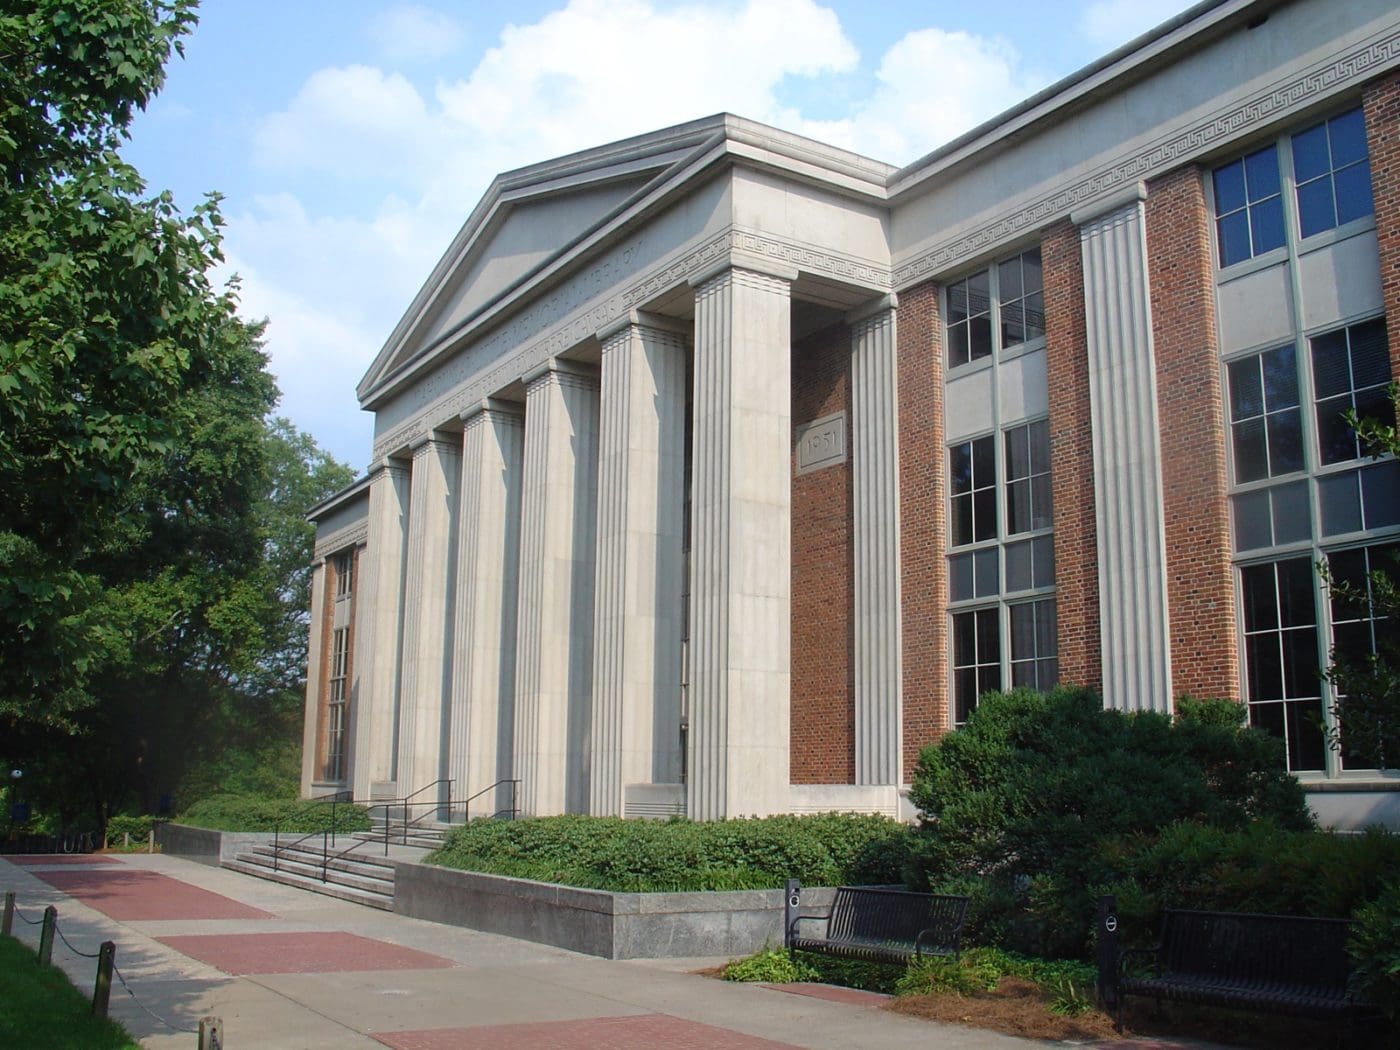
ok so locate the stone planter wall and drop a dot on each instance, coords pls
(597, 922)
(206, 846)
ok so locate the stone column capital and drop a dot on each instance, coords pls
(561, 370)
(873, 312)
(611, 334)
(762, 275)
(491, 407)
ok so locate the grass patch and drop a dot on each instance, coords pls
(41, 1010)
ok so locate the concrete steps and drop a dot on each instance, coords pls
(355, 877)
(422, 835)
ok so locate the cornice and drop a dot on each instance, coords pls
(353, 535)
(529, 342)
(1275, 102)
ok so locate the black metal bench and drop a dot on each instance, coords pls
(882, 925)
(1280, 963)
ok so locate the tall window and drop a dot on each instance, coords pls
(335, 710)
(1329, 175)
(1002, 567)
(1330, 492)
(997, 309)
(344, 574)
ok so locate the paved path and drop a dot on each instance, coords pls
(286, 968)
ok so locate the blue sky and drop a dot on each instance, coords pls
(351, 138)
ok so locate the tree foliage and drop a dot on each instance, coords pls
(152, 547)
(1366, 678)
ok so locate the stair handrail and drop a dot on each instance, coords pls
(332, 800)
(436, 803)
(513, 810)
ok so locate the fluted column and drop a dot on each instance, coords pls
(1127, 459)
(315, 678)
(428, 611)
(741, 554)
(488, 569)
(554, 649)
(875, 476)
(637, 628)
(375, 689)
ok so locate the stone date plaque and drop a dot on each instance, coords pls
(821, 443)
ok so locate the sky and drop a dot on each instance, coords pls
(351, 139)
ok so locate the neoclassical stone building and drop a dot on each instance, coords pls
(718, 470)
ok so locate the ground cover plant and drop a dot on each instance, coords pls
(40, 1009)
(291, 816)
(611, 853)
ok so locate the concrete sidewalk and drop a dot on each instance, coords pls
(355, 977)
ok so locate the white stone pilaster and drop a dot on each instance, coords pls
(875, 478)
(429, 596)
(315, 656)
(1127, 459)
(488, 571)
(637, 648)
(741, 551)
(554, 649)
(374, 691)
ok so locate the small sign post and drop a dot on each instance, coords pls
(792, 901)
(1106, 934)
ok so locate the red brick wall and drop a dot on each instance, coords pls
(1071, 459)
(1191, 432)
(822, 734)
(1382, 108)
(922, 525)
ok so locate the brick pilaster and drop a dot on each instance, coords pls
(1071, 459)
(923, 527)
(1191, 432)
(1382, 109)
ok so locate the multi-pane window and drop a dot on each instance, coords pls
(1002, 568)
(1331, 182)
(335, 721)
(1266, 427)
(996, 309)
(1324, 495)
(1351, 371)
(344, 574)
(1248, 206)
(1358, 625)
(1332, 173)
(1283, 680)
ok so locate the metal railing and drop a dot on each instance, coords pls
(512, 811)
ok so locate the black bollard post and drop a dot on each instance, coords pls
(792, 900)
(211, 1033)
(46, 935)
(9, 913)
(102, 989)
(1106, 934)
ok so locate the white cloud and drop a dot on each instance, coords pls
(1109, 23)
(592, 72)
(411, 32)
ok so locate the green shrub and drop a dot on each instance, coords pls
(769, 966)
(1019, 804)
(290, 816)
(1063, 981)
(139, 828)
(1375, 952)
(680, 855)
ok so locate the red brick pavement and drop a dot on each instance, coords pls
(46, 859)
(243, 953)
(140, 895)
(641, 1032)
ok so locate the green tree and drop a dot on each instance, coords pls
(1366, 677)
(107, 318)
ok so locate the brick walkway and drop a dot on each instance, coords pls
(244, 953)
(132, 896)
(639, 1032)
(46, 860)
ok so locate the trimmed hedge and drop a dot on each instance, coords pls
(639, 856)
(255, 813)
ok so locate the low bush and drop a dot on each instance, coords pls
(139, 828)
(290, 816)
(1066, 982)
(769, 966)
(1021, 804)
(678, 855)
(1375, 952)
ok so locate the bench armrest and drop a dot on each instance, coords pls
(792, 928)
(939, 938)
(1128, 953)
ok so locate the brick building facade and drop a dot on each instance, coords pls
(750, 486)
